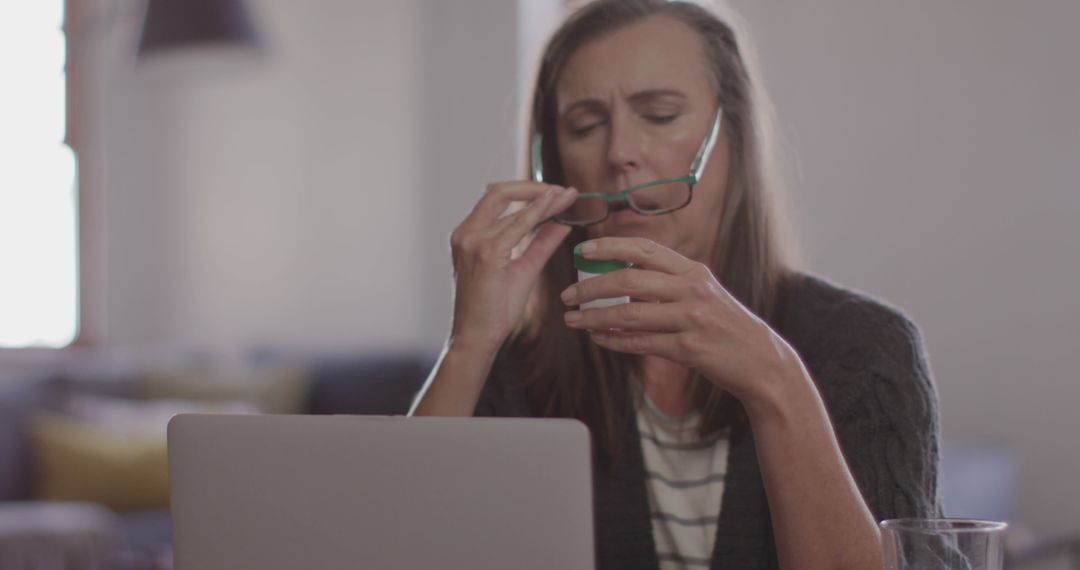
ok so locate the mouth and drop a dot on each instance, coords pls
(645, 203)
(623, 214)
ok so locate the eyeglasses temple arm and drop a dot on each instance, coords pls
(706, 146)
(537, 158)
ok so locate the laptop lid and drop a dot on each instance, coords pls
(388, 493)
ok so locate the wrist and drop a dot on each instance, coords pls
(472, 347)
(455, 386)
(784, 398)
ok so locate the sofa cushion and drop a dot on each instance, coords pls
(57, 535)
(146, 537)
(78, 460)
(272, 389)
(372, 385)
(19, 401)
(111, 450)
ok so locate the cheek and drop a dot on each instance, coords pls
(711, 198)
(705, 217)
(699, 222)
(580, 167)
(576, 176)
(712, 190)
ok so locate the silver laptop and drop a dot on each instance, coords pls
(380, 493)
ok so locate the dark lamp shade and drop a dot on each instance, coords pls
(172, 24)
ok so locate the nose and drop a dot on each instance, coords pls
(624, 145)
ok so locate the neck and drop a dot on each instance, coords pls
(667, 384)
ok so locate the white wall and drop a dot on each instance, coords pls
(279, 205)
(469, 116)
(938, 148)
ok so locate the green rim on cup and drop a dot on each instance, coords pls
(596, 265)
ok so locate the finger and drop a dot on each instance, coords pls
(634, 316)
(543, 245)
(657, 344)
(500, 195)
(561, 199)
(637, 283)
(523, 222)
(639, 251)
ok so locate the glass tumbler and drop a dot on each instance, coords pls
(943, 544)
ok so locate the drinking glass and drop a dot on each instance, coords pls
(943, 544)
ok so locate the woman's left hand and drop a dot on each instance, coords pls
(680, 312)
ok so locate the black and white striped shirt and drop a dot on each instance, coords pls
(685, 483)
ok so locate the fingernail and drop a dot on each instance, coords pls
(569, 294)
(568, 190)
(588, 247)
(572, 317)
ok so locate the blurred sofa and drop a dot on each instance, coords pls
(980, 479)
(134, 533)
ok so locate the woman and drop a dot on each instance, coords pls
(744, 415)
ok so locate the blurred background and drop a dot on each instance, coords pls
(274, 217)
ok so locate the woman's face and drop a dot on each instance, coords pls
(632, 107)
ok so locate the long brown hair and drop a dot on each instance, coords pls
(564, 373)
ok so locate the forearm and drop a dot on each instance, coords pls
(454, 385)
(819, 517)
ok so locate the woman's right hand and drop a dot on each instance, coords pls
(491, 286)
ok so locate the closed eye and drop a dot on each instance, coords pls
(660, 119)
(584, 129)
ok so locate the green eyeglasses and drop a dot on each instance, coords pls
(650, 199)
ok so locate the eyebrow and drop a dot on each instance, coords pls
(643, 96)
(649, 95)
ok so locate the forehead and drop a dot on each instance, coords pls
(657, 51)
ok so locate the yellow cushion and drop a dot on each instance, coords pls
(78, 460)
(281, 390)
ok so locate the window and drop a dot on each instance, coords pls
(38, 195)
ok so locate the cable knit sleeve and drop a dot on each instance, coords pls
(872, 371)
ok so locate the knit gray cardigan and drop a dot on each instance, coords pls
(870, 367)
